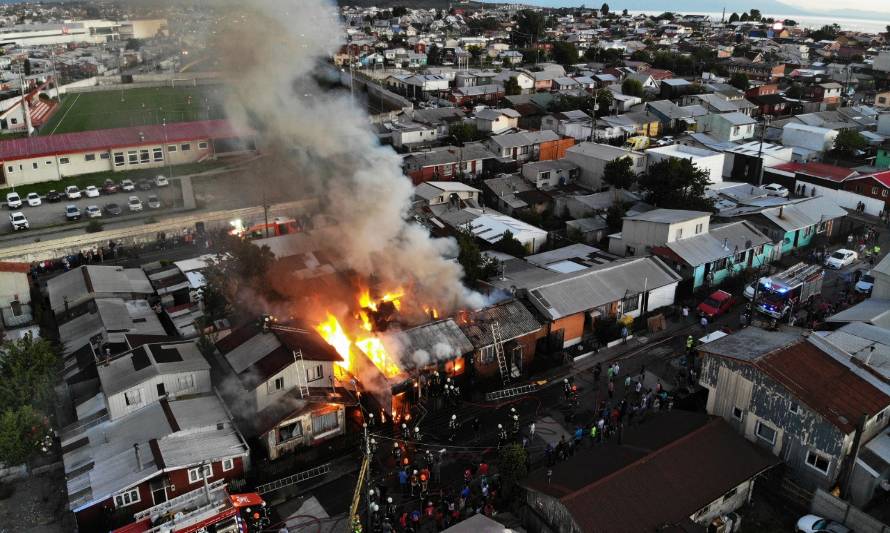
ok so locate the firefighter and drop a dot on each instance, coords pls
(690, 342)
(371, 421)
(566, 387)
(396, 452)
(415, 483)
(373, 446)
(502, 435)
(515, 425)
(424, 482)
(417, 435)
(406, 433)
(452, 426)
(390, 509)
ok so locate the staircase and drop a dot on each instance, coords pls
(299, 477)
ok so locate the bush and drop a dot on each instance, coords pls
(94, 226)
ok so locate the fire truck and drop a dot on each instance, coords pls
(210, 509)
(275, 228)
(781, 294)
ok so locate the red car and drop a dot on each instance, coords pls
(716, 304)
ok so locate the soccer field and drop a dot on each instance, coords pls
(134, 107)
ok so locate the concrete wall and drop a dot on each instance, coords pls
(828, 506)
(847, 199)
(12, 285)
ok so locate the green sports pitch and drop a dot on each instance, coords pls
(134, 107)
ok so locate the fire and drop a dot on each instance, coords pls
(376, 352)
(432, 312)
(366, 302)
(332, 332)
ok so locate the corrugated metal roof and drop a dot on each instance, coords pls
(434, 341)
(513, 317)
(699, 249)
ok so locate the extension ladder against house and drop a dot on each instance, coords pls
(293, 479)
(511, 392)
(302, 383)
(499, 351)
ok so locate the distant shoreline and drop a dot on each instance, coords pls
(807, 21)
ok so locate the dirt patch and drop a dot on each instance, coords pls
(37, 504)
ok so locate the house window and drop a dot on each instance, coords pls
(631, 303)
(818, 461)
(89, 157)
(228, 464)
(737, 413)
(127, 498)
(64, 160)
(314, 373)
(884, 193)
(446, 170)
(186, 382)
(276, 385)
(143, 156)
(34, 165)
(698, 228)
(203, 145)
(739, 258)
(758, 250)
(630, 250)
(48, 162)
(794, 408)
(874, 191)
(10, 169)
(171, 148)
(103, 155)
(719, 264)
(195, 473)
(679, 233)
(766, 433)
(486, 355)
(730, 494)
(133, 397)
(290, 431)
(523, 150)
(14, 120)
(118, 159)
(158, 154)
(133, 157)
(324, 423)
(185, 147)
(544, 175)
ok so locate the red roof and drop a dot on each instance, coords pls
(823, 384)
(881, 177)
(818, 170)
(99, 140)
(659, 74)
(22, 268)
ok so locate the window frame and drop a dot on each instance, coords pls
(133, 157)
(741, 415)
(759, 425)
(817, 456)
(89, 157)
(136, 395)
(64, 160)
(487, 354)
(203, 145)
(120, 499)
(120, 159)
(231, 463)
(194, 474)
(185, 147)
(157, 154)
(318, 373)
(794, 407)
(172, 148)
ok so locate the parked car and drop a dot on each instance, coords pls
(110, 187)
(127, 185)
(92, 191)
(72, 212)
(72, 192)
(93, 211)
(144, 185)
(134, 203)
(53, 196)
(716, 304)
(18, 221)
(666, 140)
(161, 181)
(841, 258)
(113, 209)
(33, 199)
(774, 189)
(154, 202)
(13, 200)
(865, 284)
(816, 524)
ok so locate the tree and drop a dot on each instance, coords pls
(667, 15)
(464, 132)
(676, 184)
(27, 373)
(510, 245)
(529, 27)
(848, 142)
(826, 33)
(733, 18)
(23, 431)
(615, 216)
(565, 53)
(603, 101)
(755, 15)
(618, 173)
(133, 44)
(475, 52)
(512, 465)
(433, 55)
(399, 11)
(641, 55)
(632, 87)
(604, 9)
(795, 91)
(623, 12)
(476, 266)
(739, 80)
(744, 17)
(511, 87)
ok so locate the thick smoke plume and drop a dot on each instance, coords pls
(320, 142)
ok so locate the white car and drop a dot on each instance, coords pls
(18, 221)
(816, 524)
(666, 140)
(33, 199)
(134, 203)
(865, 284)
(841, 258)
(72, 192)
(161, 181)
(13, 200)
(774, 189)
(128, 185)
(92, 191)
(93, 211)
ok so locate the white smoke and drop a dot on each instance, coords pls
(269, 50)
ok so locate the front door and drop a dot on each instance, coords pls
(158, 490)
(516, 361)
(161, 390)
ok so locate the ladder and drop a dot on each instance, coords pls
(293, 479)
(499, 351)
(511, 392)
(302, 385)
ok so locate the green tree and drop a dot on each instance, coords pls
(604, 9)
(603, 100)
(641, 55)
(464, 132)
(509, 244)
(476, 53)
(565, 53)
(133, 44)
(733, 18)
(619, 173)
(667, 15)
(632, 87)
(399, 11)
(511, 87)
(529, 27)
(512, 460)
(676, 184)
(744, 17)
(848, 142)
(739, 80)
(213, 296)
(826, 33)
(23, 431)
(433, 55)
(27, 373)
(754, 14)
(615, 216)
(27, 66)
(476, 266)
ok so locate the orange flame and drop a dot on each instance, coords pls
(366, 302)
(432, 312)
(332, 332)
(376, 352)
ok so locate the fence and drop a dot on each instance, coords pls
(826, 505)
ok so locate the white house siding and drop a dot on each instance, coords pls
(593, 168)
(265, 398)
(276, 449)
(712, 164)
(662, 297)
(847, 199)
(148, 390)
(14, 285)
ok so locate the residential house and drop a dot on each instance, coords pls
(446, 163)
(593, 488)
(795, 225)
(675, 88)
(743, 161)
(524, 80)
(180, 305)
(418, 86)
(672, 117)
(876, 186)
(828, 94)
(70, 292)
(432, 193)
(440, 117)
(592, 158)
(845, 186)
(550, 174)
(882, 100)
(802, 398)
(727, 127)
(477, 95)
(15, 297)
(506, 193)
(413, 134)
(575, 124)
(649, 83)
(759, 71)
(529, 145)
(881, 273)
(721, 103)
(643, 231)
(267, 371)
(496, 120)
(519, 332)
(628, 124)
(590, 230)
(710, 162)
(809, 142)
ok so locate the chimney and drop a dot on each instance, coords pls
(138, 457)
(781, 210)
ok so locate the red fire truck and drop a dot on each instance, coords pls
(276, 227)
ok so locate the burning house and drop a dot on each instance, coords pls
(519, 332)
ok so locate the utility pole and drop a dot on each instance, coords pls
(266, 211)
(763, 126)
(370, 516)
